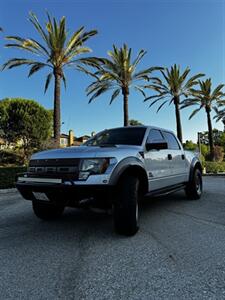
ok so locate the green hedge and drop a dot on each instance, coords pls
(215, 167)
(7, 176)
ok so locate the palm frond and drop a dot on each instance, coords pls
(30, 45)
(145, 73)
(220, 114)
(139, 57)
(139, 89)
(64, 80)
(73, 39)
(16, 62)
(194, 112)
(94, 62)
(102, 89)
(156, 100)
(34, 20)
(36, 67)
(161, 106)
(22, 48)
(48, 79)
(193, 80)
(160, 95)
(114, 95)
(184, 75)
(188, 104)
(86, 71)
(98, 84)
(217, 91)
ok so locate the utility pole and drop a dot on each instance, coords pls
(199, 143)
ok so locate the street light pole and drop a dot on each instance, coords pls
(199, 143)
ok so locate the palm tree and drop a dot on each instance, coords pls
(56, 51)
(118, 73)
(220, 115)
(174, 86)
(208, 99)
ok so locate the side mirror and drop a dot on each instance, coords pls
(157, 145)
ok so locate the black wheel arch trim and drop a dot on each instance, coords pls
(129, 164)
(195, 163)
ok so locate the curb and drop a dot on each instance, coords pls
(5, 191)
(215, 174)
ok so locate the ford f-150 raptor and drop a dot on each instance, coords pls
(114, 169)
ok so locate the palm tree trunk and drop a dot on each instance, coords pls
(178, 119)
(125, 92)
(57, 117)
(210, 135)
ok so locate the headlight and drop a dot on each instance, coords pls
(93, 167)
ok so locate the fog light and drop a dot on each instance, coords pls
(83, 175)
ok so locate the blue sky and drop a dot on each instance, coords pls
(189, 33)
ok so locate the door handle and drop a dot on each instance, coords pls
(183, 156)
(170, 157)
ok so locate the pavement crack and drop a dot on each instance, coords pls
(198, 219)
(169, 253)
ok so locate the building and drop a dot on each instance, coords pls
(67, 140)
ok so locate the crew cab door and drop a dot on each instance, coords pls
(177, 158)
(157, 164)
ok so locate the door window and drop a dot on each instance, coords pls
(171, 140)
(154, 136)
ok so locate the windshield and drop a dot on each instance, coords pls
(120, 136)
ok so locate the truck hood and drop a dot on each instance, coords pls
(88, 152)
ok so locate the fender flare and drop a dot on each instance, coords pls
(194, 163)
(129, 163)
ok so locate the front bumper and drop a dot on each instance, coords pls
(68, 195)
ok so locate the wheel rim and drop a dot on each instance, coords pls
(137, 213)
(198, 184)
(137, 203)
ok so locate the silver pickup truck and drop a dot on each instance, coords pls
(114, 169)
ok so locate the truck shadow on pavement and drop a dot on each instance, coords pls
(83, 223)
(87, 222)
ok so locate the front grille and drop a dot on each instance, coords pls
(67, 169)
(54, 162)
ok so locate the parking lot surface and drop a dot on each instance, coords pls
(179, 252)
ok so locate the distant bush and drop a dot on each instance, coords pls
(214, 167)
(219, 153)
(7, 176)
(189, 145)
(10, 157)
(202, 159)
(204, 150)
(25, 123)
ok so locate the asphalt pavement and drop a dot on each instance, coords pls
(179, 252)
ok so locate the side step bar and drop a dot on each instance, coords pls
(166, 191)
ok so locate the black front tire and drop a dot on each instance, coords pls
(47, 211)
(125, 207)
(193, 189)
